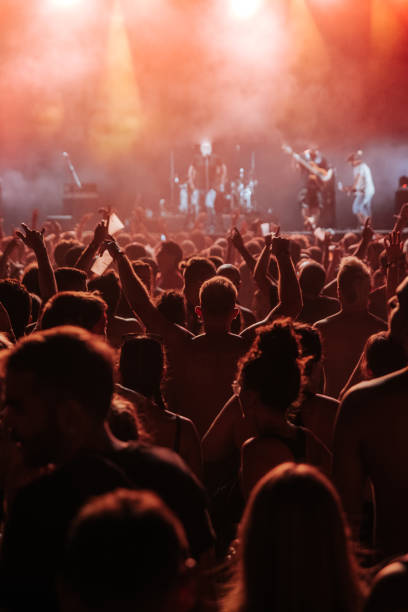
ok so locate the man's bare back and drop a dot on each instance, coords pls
(343, 338)
(370, 443)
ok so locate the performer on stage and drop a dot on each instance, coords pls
(363, 187)
(317, 196)
(207, 178)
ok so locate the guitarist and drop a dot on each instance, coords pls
(363, 187)
(316, 196)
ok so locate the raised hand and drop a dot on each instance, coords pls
(368, 231)
(236, 239)
(270, 237)
(32, 238)
(101, 233)
(393, 248)
(280, 245)
(111, 246)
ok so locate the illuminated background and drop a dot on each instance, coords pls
(122, 83)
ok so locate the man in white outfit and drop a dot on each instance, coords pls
(363, 187)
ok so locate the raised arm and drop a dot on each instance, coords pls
(88, 255)
(261, 276)
(11, 245)
(290, 296)
(366, 237)
(35, 241)
(395, 262)
(401, 220)
(136, 293)
(242, 250)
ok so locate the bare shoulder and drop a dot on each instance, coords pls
(327, 322)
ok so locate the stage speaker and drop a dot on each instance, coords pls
(78, 201)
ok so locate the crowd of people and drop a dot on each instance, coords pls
(213, 423)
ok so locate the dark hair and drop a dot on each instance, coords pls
(352, 272)
(73, 308)
(198, 269)
(382, 355)
(231, 272)
(109, 288)
(70, 279)
(273, 367)
(144, 272)
(218, 296)
(141, 366)
(30, 279)
(17, 301)
(312, 278)
(70, 362)
(171, 304)
(172, 248)
(217, 261)
(135, 250)
(61, 249)
(125, 547)
(295, 550)
(74, 253)
(123, 420)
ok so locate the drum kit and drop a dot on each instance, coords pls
(236, 195)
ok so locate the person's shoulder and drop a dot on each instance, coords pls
(376, 321)
(366, 394)
(327, 322)
(325, 401)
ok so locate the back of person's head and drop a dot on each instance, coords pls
(216, 250)
(171, 250)
(30, 279)
(74, 253)
(217, 261)
(144, 272)
(123, 420)
(232, 273)
(127, 551)
(353, 282)
(70, 279)
(67, 363)
(312, 278)
(62, 248)
(295, 551)
(218, 297)
(349, 239)
(135, 250)
(310, 342)
(315, 253)
(403, 180)
(81, 309)
(198, 238)
(171, 304)
(17, 301)
(189, 248)
(273, 367)
(141, 366)
(382, 355)
(109, 288)
(196, 271)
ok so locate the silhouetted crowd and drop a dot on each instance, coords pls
(203, 423)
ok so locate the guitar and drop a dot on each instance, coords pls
(348, 190)
(321, 173)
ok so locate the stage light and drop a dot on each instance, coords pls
(63, 3)
(244, 9)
